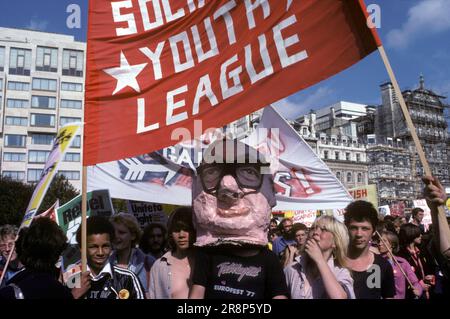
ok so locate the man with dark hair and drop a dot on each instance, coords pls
(154, 240)
(104, 280)
(300, 233)
(373, 275)
(38, 248)
(286, 238)
(417, 217)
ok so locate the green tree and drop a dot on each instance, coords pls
(14, 199)
(61, 189)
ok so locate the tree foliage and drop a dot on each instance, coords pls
(14, 199)
(15, 196)
(61, 189)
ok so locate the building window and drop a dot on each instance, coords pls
(45, 120)
(347, 156)
(34, 175)
(14, 140)
(18, 86)
(73, 63)
(349, 177)
(44, 84)
(47, 59)
(14, 175)
(20, 61)
(14, 157)
(70, 175)
(65, 120)
(1, 85)
(76, 143)
(72, 157)
(38, 156)
(358, 157)
(17, 121)
(42, 139)
(71, 104)
(325, 154)
(338, 175)
(2, 58)
(73, 87)
(305, 131)
(336, 155)
(43, 102)
(360, 179)
(17, 104)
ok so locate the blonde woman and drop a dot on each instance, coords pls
(320, 271)
(126, 254)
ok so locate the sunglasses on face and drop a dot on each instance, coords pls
(246, 175)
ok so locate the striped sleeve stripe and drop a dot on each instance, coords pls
(136, 284)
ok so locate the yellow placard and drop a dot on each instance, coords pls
(65, 136)
(367, 193)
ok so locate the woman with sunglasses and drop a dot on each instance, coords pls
(320, 272)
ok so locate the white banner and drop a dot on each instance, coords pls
(302, 180)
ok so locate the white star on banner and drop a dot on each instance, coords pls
(288, 4)
(126, 74)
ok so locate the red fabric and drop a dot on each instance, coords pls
(333, 34)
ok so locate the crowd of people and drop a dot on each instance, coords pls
(328, 260)
(226, 246)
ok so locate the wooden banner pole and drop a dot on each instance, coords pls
(407, 116)
(83, 219)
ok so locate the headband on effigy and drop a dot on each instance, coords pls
(234, 152)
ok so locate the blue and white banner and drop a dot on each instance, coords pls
(302, 180)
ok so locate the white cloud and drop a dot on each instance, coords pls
(292, 110)
(427, 17)
(36, 24)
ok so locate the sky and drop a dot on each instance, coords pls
(415, 34)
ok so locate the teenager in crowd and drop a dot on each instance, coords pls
(389, 244)
(126, 254)
(171, 275)
(38, 249)
(320, 272)
(103, 280)
(410, 237)
(372, 274)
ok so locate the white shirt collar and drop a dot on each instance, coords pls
(106, 270)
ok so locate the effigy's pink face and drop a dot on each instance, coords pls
(232, 215)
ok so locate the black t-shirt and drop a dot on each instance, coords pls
(228, 276)
(375, 283)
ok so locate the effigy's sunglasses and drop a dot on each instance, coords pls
(246, 175)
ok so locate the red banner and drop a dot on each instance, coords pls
(155, 66)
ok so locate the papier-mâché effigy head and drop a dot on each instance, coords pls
(232, 195)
